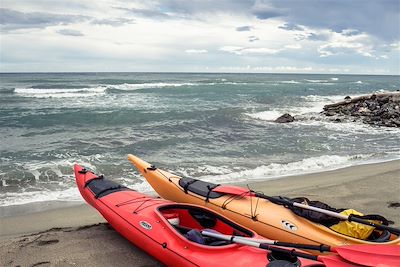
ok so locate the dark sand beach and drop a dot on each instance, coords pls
(78, 235)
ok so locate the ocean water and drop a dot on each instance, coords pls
(216, 127)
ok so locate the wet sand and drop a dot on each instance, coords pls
(79, 236)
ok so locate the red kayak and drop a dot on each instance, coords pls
(171, 232)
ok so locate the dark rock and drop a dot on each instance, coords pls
(285, 118)
(384, 99)
(375, 118)
(376, 109)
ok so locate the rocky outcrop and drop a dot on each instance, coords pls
(376, 109)
(285, 118)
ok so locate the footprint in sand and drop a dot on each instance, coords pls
(40, 263)
(47, 242)
(394, 205)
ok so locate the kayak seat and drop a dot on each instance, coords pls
(199, 187)
(102, 187)
(196, 236)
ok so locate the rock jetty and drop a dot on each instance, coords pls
(376, 109)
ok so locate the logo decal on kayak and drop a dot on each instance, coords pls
(145, 225)
(288, 225)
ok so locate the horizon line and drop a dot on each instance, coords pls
(194, 72)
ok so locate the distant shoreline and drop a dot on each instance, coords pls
(168, 72)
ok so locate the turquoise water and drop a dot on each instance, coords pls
(216, 127)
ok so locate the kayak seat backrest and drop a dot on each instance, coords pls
(102, 187)
(195, 235)
(199, 187)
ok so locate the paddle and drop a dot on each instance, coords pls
(235, 190)
(329, 261)
(369, 255)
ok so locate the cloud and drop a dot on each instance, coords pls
(293, 46)
(317, 36)
(167, 34)
(250, 51)
(253, 38)
(263, 10)
(70, 32)
(201, 7)
(379, 18)
(232, 49)
(291, 27)
(115, 22)
(12, 19)
(350, 32)
(340, 44)
(147, 13)
(244, 28)
(341, 48)
(196, 51)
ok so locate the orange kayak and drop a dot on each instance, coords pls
(266, 218)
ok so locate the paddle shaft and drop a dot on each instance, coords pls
(349, 218)
(259, 245)
(349, 256)
(321, 248)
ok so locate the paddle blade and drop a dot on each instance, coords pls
(371, 255)
(233, 190)
(336, 261)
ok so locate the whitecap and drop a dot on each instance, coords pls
(290, 82)
(137, 86)
(269, 115)
(276, 170)
(316, 81)
(60, 92)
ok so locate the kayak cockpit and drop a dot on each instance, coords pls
(189, 221)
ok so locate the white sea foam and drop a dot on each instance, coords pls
(276, 170)
(359, 82)
(30, 195)
(60, 92)
(269, 115)
(350, 128)
(334, 79)
(308, 113)
(316, 81)
(290, 82)
(137, 86)
(102, 89)
(216, 174)
(311, 105)
(20, 198)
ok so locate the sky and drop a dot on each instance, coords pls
(268, 36)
